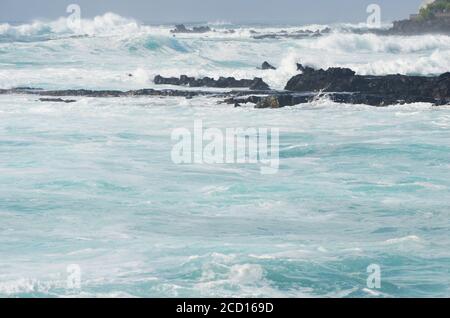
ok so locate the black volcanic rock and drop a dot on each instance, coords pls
(269, 102)
(283, 34)
(51, 94)
(340, 85)
(400, 87)
(332, 80)
(181, 28)
(202, 29)
(223, 82)
(283, 99)
(304, 69)
(421, 26)
(258, 84)
(442, 86)
(57, 100)
(267, 66)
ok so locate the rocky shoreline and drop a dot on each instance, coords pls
(55, 95)
(223, 82)
(420, 27)
(341, 85)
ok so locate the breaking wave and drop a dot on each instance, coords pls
(372, 43)
(107, 24)
(52, 54)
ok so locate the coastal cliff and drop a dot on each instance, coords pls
(433, 18)
(421, 26)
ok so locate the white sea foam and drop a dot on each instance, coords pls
(410, 238)
(28, 286)
(145, 51)
(372, 43)
(435, 63)
(246, 273)
(152, 228)
(106, 24)
(217, 231)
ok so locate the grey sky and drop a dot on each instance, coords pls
(251, 11)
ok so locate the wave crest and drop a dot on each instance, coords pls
(106, 24)
(351, 43)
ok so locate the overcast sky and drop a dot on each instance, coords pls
(238, 11)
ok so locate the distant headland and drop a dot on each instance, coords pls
(433, 17)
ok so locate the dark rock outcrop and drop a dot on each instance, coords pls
(269, 102)
(420, 25)
(258, 84)
(304, 69)
(401, 88)
(267, 66)
(340, 85)
(181, 28)
(223, 82)
(283, 99)
(57, 100)
(283, 34)
(50, 95)
(442, 86)
(275, 100)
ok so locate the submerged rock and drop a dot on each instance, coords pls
(275, 100)
(268, 102)
(57, 100)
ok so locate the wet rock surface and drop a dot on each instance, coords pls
(341, 85)
(52, 95)
(421, 26)
(283, 99)
(223, 82)
(267, 66)
(57, 100)
(386, 89)
(181, 28)
(299, 34)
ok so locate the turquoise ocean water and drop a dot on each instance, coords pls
(92, 183)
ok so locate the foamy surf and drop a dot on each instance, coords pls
(90, 185)
(147, 51)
